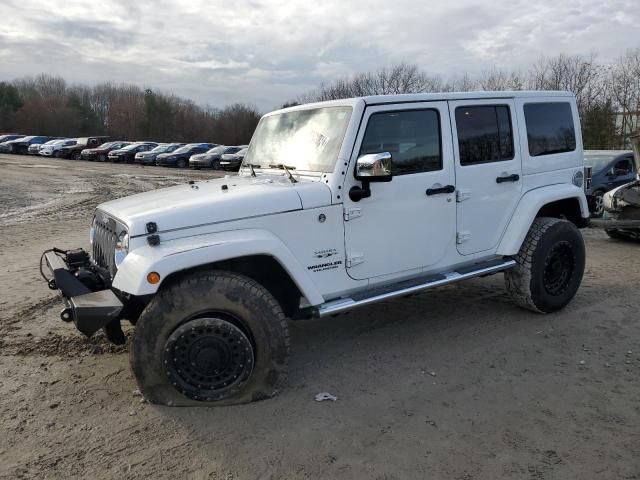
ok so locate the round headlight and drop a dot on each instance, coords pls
(578, 178)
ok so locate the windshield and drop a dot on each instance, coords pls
(216, 150)
(186, 148)
(308, 140)
(597, 161)
(163, 149)
(133, 146)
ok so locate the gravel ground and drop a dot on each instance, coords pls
(453, 383)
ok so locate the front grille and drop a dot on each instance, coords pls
(104, 242)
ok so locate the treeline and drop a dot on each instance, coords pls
(608, 95)
(47, 105)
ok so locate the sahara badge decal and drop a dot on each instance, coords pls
(322, 254)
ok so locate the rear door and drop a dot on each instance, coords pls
(488, 171)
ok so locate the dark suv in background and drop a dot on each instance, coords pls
(232, 161)
(99, 154)
(609, 169)
(21, 146)
(211, 159)
(180, 157)
(74, 151)
(149, 158)
(128, 154)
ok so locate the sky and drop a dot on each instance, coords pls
(267, 52)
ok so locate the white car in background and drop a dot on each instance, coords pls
(35, 148)
(52, 148)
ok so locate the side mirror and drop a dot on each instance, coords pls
(374, 167)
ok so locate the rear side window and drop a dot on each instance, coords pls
(484, 134)
(549, 128)
(412, 137)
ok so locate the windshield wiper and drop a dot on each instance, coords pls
(282, 166)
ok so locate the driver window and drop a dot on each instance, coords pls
(412, 138)
(623, 167)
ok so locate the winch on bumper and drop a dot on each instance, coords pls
(87, 296)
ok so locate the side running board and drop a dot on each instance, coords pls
(412, 286)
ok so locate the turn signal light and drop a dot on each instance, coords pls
(153, 278)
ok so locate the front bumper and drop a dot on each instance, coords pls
(89, 310)
(163, 162)
(144, 160)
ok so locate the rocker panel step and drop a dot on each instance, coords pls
(412, 286)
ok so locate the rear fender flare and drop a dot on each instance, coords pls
(528, 208)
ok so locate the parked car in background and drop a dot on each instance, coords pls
(20, 146)
(232, 161)
(609, 169)
(7, 137)
(100, 153)
(74, 151)
(128, 154)
(211, 159)
(180, 157)
(53, 148)
(149, 158)
(34, 149)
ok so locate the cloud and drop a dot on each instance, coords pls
(268, 51)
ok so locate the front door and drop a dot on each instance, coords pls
(408, 223)
(488, 171)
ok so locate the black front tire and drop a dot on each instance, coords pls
(181, 163)
(550, 266)
(191, 316)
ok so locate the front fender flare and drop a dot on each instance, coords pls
(529, 206)
(184, 253)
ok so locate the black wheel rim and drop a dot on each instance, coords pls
(558, 268)
(206, 358)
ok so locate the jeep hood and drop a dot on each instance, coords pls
(209, 202)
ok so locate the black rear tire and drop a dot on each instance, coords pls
(189, 321)
(623, 234)
(598, 204)
(550, 266)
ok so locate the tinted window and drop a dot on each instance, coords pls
(549, 128)
(484, 134)
(411, 137)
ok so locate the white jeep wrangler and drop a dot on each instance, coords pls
(337, 205)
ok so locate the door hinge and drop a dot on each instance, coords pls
(351, 213)
(462, 237)
(462, 195)
(355, 259)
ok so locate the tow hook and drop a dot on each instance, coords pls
(65, 315)
(52, 284)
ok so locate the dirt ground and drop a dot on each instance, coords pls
(456, 383)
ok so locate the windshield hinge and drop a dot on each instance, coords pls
(462, 237)
(351, 213)
(355, 259)
(462, 195)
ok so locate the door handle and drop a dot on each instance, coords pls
(445, 189)
(508, 178)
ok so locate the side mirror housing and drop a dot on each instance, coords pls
(374, 167)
